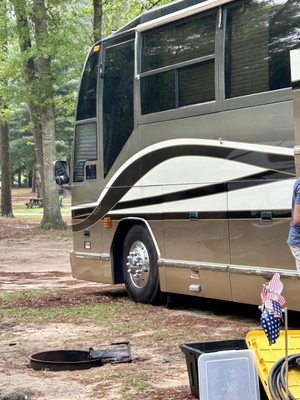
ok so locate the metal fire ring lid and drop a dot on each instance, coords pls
(60, 360)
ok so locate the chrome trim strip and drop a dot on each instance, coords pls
(92, 256)
(162, 262)
(233, 269)
(265, 272)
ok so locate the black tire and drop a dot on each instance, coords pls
(142, 280)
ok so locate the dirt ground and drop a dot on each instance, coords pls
(31, 260)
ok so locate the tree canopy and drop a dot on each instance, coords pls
(43, 48)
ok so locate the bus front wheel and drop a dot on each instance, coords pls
(139, 263)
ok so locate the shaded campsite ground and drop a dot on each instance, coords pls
(43, 308)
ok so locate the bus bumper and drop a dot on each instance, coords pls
(91, 267)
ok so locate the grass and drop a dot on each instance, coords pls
(97, 313)
(109, 315)
(22, 209)
(36, 213)
(22, 196)
(8, 336)
(134, 382)
(121, 317)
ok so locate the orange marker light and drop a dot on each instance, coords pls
(96, 48)
(107, 222)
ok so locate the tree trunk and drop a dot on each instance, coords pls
(20, 177)
(33, 181)
(97, 4)
(30, 81)
(6, 200)
(52, 216)
(38, 185)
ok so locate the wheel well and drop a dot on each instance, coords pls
(117, 245)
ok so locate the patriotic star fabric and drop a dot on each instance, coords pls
(272, 314)
(270, 323)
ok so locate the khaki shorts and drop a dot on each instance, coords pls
(296, 253)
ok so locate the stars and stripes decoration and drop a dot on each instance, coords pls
(272, 313)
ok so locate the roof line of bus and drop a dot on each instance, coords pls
(174, 16)
(148, 13)
(186, 12)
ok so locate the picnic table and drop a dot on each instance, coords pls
(35, 201)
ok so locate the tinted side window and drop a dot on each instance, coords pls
(85, 149)
(196, 83)
(117, 100)
(87, 94)
(157, 92)
(179, 42)
(259, 36)
(186, 52)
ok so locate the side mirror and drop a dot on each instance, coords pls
(61, 172)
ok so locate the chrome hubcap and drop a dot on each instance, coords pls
(138, 265)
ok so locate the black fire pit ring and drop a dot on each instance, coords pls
(63, 360)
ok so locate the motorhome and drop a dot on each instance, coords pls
(185, 152)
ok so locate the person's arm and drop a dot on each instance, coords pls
(297, 214)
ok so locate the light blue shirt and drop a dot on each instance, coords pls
(294, 234)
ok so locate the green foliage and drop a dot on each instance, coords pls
(119, 13)
(70, 36)
(23, 157)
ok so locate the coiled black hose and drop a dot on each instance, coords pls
(276, 381)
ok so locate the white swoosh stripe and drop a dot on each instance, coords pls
(270, 196)
(187, 142)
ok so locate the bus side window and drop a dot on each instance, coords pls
(86, 107)
(85, 149)
(90, 172)
(186, 52)
(259, 36)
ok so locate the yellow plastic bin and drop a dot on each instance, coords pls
(268, 355)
